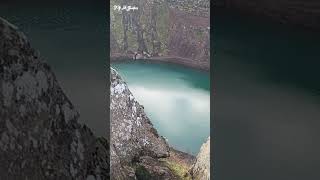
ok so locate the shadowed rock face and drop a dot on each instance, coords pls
(39, 134)
(201, 168)
(132, 133)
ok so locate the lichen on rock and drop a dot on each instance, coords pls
(132, 133)
(201, 168)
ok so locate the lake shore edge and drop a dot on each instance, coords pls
(186, 62)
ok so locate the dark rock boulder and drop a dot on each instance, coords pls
(132, 133)
(40, 137)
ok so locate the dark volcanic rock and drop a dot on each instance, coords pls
(99, 165)
(40, 137)
(132, 133)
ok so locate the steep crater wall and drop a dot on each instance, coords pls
(177, 31)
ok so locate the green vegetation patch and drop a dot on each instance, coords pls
(163, 25)
(132, 40)
(179, 169)
(199, 34)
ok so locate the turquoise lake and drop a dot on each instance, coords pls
(176, 99)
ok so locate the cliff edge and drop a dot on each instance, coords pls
(201, 168)
(135, 145)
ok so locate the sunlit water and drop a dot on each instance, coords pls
(72, 38)
(176, 99)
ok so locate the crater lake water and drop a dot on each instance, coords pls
(176, 99)
(71, 36)
(267, 102)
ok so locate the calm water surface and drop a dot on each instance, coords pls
(176, 99)
(267, 103)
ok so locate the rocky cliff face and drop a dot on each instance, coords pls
(201, 168)
(40, 137)
(298, 12)
(189, 36)
(135, 144)
(162, 28)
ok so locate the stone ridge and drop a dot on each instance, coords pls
(40, 137)
(196, 7)
(132, 133)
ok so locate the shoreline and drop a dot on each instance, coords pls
(186, 62)
(120, 58)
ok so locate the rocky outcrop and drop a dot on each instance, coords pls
(174, 28)
(298, 12)
(133, 138)
(137, 31)
(189, 37)
(201, 168)
(195, 7)
(40, 137)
